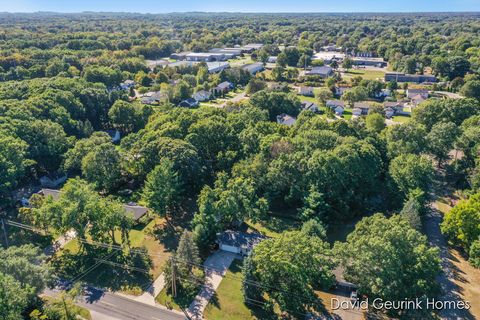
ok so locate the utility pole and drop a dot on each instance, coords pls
(5, 233)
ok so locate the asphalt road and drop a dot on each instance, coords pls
(108, 306)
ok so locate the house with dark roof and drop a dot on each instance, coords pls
(238, 242)
(323, 72)
(189, 103)
(310, 106)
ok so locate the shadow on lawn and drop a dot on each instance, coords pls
(114, 270)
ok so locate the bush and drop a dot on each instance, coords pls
(474, 258)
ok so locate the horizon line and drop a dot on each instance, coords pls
(233, 12)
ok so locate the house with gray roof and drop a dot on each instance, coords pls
(238, 242)
(323, 72)
(253, 67)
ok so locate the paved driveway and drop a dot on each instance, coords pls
(215, 268)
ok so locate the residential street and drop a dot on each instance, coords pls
(450, 291)
(107, 306)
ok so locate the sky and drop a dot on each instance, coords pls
(165, 6)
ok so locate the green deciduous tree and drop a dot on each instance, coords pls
(13, 299)
(162, 188)
(388, 259)
(462, 224)
(288, 268)
(410, 172)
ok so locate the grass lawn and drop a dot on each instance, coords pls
(182, 301)
(307, 98)
(365, 74)
(154, 237)
(228, 302)
(274, 226)
(347, 114)
(240, 61)
(401, 118)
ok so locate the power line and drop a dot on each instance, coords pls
(120, 248)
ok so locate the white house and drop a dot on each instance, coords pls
(305, 91)
(238, 242)
(202, 95)
(357, 112)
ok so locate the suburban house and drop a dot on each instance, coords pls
(135, 210)
(402, 77)
(286, 119)
(189, 103)
(127, 84)
(341, 88)
(323, 72)
(396, 106)
(222, 88)
(253, 67)
(363, 106)
(151, 64)
(336, 106)
(416, 100)
(310, 106)
(131, 208)
(368, 61)
(305, 91)
(356, 112)
(238, 242)
(202, 95)
(215, 67)
(389, 112)
(152, 97)
(411, 93)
